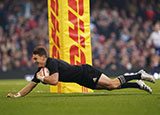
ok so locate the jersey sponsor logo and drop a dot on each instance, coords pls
(94, 79)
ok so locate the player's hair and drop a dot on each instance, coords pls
(39, 50)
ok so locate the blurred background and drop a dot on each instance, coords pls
(125, 35)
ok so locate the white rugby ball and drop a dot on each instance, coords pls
(44, 71)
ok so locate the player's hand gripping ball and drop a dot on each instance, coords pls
(44, 72)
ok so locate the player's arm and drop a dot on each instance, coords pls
(27, 89)
(52, 79)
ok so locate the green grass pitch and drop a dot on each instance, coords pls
(102, 102)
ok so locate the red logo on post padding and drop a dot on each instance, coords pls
(55, 29)
(74, 51)
(78, 24)
(54, 6)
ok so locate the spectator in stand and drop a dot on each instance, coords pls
(3, 15)
(154, 39)
(150, 13)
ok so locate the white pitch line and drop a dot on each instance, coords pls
(12, 83)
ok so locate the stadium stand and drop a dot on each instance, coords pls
(120, 30)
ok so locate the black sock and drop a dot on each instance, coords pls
(125, 78)
(129, 85)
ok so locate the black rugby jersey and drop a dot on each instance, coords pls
(67, 72)
(84, 75)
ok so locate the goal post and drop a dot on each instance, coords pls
(69, 37)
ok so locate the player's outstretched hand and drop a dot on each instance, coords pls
(10, 95)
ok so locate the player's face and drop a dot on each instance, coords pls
(38, 60)
(157, 27)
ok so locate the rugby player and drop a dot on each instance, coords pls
(85, 75)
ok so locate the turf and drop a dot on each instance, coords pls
(102, 102)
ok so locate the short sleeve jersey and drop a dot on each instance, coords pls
(84, 75)
(67, 72)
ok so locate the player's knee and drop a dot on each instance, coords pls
(109, 85)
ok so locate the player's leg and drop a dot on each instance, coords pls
(139, 75)
(120, 82)
(105, 82)
(138, 84)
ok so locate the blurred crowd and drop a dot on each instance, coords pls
(120, 33)
(23, 25)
